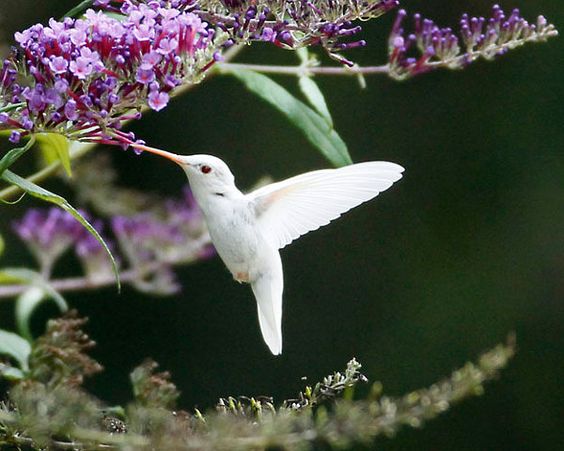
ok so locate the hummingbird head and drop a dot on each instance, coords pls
(206, 173)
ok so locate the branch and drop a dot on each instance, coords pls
(306, 70)
(83, 283)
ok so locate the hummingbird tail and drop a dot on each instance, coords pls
(267, 289)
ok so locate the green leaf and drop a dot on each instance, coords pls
(10, 373)
(6, 278)
(15, 346)
(79, 9)
(38, 291)
(314, 126)
(26, 304)
(315, 97)
(12, 155)
(41, 193)
(116, 16)
(55, 146)
(10, 107)
(303, 55)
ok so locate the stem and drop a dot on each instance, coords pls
(11, 106)
(83, 283)
(78, 8)
(304, 70)
(12, 191)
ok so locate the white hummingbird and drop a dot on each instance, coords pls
(247, 230)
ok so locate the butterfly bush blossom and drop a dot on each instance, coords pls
(85, 77)
(478, 38)
(150, 243)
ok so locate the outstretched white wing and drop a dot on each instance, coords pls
(291, 208)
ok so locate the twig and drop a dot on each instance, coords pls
(83, 283)
(299, 70)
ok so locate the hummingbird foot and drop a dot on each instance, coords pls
(241, 277)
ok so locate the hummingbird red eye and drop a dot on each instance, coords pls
(205, 169)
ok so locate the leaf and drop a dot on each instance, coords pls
(315, 127)
(309, 87)
(79, 9)
(15, 346)
(26, 304)
(303, 55)
(39, 290)
(34, 278)
(55, 146)
(41, 193)
(116, 16)
(2, 245)
(8, 279)
(315, 97)
(10, 373)
(12, 155)
(10, 107)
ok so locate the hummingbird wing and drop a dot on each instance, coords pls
(293, 207)
(267, 288)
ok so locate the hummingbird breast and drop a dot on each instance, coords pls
(232, 227)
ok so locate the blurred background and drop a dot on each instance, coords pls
(466, 248)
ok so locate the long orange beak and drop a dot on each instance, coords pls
(163, 153)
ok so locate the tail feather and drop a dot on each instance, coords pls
(267, 289)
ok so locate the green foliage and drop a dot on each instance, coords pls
(49, 408)
(59, 357)
(310, 89)
(55, 147)
(16, 347)
(315, 127)
(79, 9)
(153, 389)
(12, 156)
(38, 291)
(43, 194)
(315, 97)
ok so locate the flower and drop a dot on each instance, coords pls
(151, 242)
(48, 233)
(88, 74)
(158, 100)
(479, 38)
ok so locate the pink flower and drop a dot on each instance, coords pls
(144, 76)
(58, 64)
(81, 68)
(150, 60)
(167, 46)
(158, 100)
(144, 32)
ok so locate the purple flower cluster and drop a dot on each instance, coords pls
(177, 235)
(290, 24)
(151, 243)
(83, 77)
(296, 23)
(48, 234)
(430, 47)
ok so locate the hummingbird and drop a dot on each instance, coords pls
(248, 230)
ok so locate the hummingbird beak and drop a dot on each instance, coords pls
(178, 159)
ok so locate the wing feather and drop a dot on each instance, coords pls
(291, 208)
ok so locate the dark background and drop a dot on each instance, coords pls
(466, 248)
